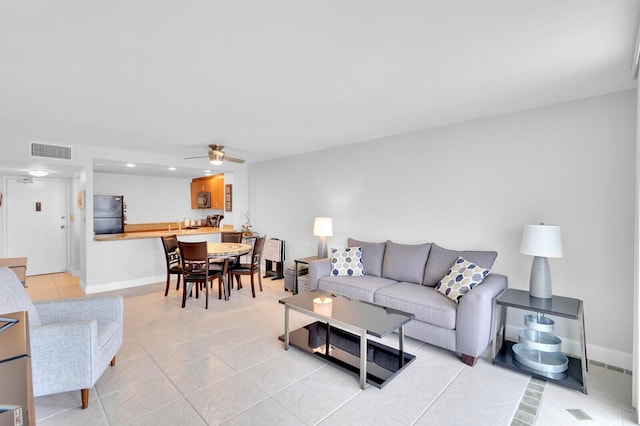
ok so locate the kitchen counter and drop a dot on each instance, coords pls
(136, 235)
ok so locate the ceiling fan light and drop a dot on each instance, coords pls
(216, 160)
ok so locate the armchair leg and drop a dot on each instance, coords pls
(84, 394)
(113, 361)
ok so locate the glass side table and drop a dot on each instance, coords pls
(564, 307)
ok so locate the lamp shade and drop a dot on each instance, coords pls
(323, 227)
(541, 240)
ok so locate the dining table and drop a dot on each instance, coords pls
(226, 251)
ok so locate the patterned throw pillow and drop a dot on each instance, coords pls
(462, 277)
(347, 262)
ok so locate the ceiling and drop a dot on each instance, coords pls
(269, 79)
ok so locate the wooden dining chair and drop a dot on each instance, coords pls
(196, 271)
(228, 237)
(231, 237)
(250, 268)
(172, 257)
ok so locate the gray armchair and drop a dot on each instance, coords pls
(72, 341)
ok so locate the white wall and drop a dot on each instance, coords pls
(474, 185)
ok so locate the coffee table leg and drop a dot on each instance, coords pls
(401, 344)
(363, 359)
(286, 327)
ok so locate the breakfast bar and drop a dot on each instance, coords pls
(161, 229)
(136, 257)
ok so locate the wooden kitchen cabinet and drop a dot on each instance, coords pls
(212, 184)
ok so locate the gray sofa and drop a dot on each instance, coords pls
(404, 277)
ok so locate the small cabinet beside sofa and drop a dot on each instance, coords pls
(405, 277)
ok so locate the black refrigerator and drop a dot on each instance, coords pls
(108, 214)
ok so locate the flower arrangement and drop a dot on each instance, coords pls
(247, 228)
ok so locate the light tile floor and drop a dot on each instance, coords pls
(225, 365)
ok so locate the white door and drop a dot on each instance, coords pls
(37, 224)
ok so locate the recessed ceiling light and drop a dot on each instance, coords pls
(38, 173)
(130, 165)
(173, 169)
(207, 172)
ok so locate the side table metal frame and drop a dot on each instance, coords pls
(305, 261)
(508, 299)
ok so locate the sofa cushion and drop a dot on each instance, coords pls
(14, 298)
(372, 255)
(441, 259)
(425, 303)
(461, 278)
(404, 262)
(361, 288)
(346, 261)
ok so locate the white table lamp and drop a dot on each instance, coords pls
(323, 228)
(541, 241)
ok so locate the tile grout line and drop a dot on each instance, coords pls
(527, 412)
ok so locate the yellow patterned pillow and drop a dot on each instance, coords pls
(461, 278)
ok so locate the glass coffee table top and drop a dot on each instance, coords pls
(376, 319)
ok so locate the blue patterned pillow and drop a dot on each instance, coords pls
(461, 278)
(347, 262)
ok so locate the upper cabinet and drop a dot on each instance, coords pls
(212, 184)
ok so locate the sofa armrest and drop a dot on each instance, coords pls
(66, 350)
(81, 309)
(475, 314)
(318, 269)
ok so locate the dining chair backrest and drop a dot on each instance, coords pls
(257, 252)
(194, 257)
(231, 237)
(170, 244)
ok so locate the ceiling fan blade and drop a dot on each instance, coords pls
(191, 158)
(233, 160)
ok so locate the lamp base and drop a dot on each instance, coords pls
(540, 281)
(322, 248)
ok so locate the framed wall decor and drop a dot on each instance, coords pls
(228, 203)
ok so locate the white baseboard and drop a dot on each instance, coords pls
(120, 285)
(594, 352)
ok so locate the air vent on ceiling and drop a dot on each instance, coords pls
(50, 151)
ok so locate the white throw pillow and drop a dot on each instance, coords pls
(347, 262)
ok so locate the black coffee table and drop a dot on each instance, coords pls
(341, 335)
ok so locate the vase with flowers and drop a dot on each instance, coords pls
(247, 229)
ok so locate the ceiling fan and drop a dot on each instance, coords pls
(216, 156)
